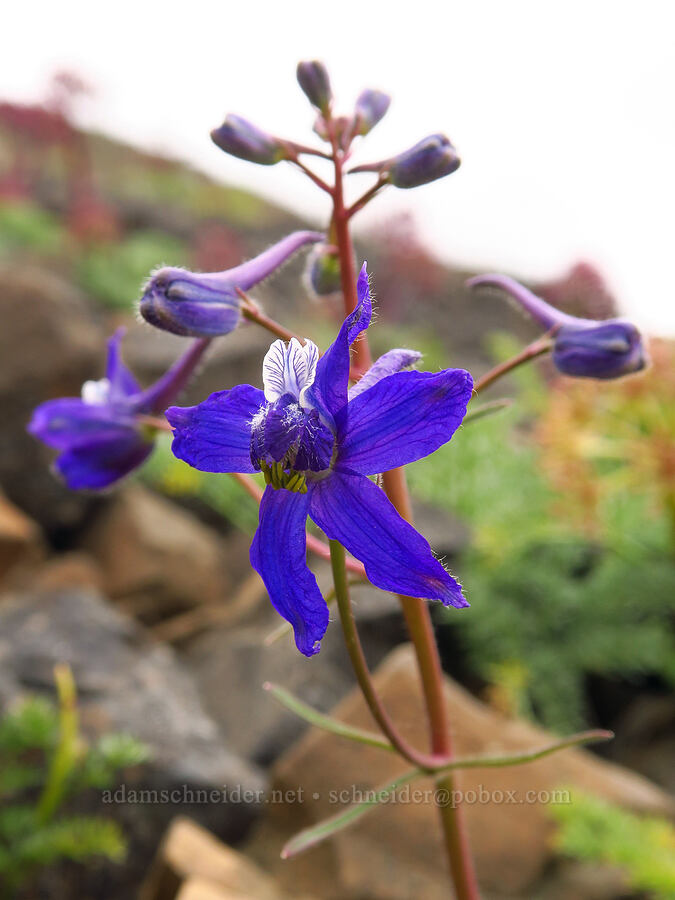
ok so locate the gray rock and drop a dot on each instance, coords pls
(126, 683)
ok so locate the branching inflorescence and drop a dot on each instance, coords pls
(323, 423)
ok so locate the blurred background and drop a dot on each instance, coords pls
(558, 514)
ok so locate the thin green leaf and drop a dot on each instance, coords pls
(486, 409)
(324, 722)
(310, 837)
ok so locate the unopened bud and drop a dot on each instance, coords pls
(240, 138)
(323, 271)
(313, 79)
(585, 348)
(430, 159)
(208, 304)
(371, 107)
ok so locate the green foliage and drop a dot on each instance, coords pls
(225, 495)
(570, 571)
(561, 612)
(43, 764)
(26, 227)
(114, 274)
(644, 848)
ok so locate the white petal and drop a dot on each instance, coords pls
(96, 393)
(289, 368)
(273, 371)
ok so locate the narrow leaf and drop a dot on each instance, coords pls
(327, 723)
(312, 836)
(486, 409)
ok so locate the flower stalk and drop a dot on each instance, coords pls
(415, 611)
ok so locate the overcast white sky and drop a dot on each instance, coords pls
(562, 112)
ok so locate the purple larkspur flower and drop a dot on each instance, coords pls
(207, 304)
(101, 436)
(584, 348)
(317, 443)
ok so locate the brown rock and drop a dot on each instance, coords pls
(189, 853)
(71, 570)
(395, 852)
(155, 556)
(21, 542)
(200, 889)
(49, 345)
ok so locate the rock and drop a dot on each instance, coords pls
(241, 660)
(128, 684)
(396, 852)
(200, 889)
(49, 345)
(155, 556)
(645, 738)
(21, 542)
(69, 570)
(189, 853)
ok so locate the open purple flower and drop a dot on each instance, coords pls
(316, 443)
(583, 348)
(101, 436)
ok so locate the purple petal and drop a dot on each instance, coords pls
(101, 462)
(355, 511)
(69, 422)
(215, 436)
(402, 418)
(328, 394)
(388, 364)
(278, 554)
(122, 382)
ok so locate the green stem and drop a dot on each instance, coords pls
(66, 751)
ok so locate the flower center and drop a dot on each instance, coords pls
(96, 393)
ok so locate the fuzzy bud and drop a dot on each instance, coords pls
(323, 271)
(371, 107)
(313, 79)
(240, 138)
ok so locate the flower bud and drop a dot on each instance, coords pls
(323, 271)
(190, 304)
(599, 349)
(430, 159)
(314, 81)
(207, 304)
(585, 348)
(371, 107)
(240, 138)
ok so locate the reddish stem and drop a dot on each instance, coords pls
(415, 610)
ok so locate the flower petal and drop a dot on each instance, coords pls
(328, 394)
(402, 418)
(289, 368)
(100, 463)
(278, 554)
(70, 422)
(355, 511)
(388, 364)
(215, 436)
(122, 382)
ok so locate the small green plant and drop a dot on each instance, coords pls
(114, 273)
(24, 226)
(44, 762)
(643, 847)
